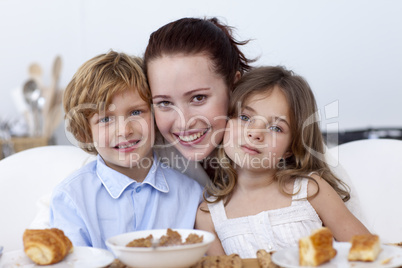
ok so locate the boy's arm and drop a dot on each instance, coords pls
(65, 216)
(204, 222)
(333, 211)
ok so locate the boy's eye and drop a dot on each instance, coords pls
(105, 119)
(244, 117)
(136, 112)
(199, 98)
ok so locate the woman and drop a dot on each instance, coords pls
(192, 65)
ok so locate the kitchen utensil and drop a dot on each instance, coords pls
(32, 94)
(35, 72)
(50, 92)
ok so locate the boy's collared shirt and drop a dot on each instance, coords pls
(97, 202)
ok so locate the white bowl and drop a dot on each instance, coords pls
(160, 257)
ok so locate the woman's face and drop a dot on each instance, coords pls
(190, 102)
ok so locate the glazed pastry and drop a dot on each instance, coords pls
(316, 248)
(46, 246)
(364, 248)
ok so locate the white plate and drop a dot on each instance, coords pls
(290, 258)
(80, 257)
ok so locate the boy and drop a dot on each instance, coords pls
(126, 188)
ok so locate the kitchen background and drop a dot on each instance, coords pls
(349, 51)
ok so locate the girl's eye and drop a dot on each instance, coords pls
(136, 112)
(244, 117)
(164, 104)
(275, 128)
(199, 98)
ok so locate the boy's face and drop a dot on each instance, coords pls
(123, 134)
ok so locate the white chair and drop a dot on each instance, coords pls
(25, 178)
(375, 169)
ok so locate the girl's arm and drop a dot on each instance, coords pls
(333, 211)
(204, 222)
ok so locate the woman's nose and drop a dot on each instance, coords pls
(185, 118)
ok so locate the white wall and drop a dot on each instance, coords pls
(349, 51)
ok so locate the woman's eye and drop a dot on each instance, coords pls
(275, 128)
(136, 112)
(244, 117)
(164, 104)
(199, 98)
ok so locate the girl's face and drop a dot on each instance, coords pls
(260, 135)
(190, 102)
(123, 133)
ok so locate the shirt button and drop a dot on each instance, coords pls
(269, 247)
(138, 189)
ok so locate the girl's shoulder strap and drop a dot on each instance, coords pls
(218, 213)
(300, 188)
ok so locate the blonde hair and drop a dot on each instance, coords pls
(94, 85)
(306, 138)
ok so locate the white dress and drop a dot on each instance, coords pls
(270, 230)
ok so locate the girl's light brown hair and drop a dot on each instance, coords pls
(93, 86)
(307, 144)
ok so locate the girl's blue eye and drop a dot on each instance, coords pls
(199, 98)
(244, 117)
(136, 112)
(275, 128)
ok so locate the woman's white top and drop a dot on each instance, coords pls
(270, 230)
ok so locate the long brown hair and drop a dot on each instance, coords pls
(190, 36)
(307, 144)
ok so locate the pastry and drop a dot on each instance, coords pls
(364, 248)
(223, 261)
(264, 259)
(316, 248)
(46, 246)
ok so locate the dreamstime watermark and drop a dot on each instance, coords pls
(331, 112)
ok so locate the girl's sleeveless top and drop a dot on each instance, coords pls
(270, 230)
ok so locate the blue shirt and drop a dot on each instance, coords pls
(97, 202)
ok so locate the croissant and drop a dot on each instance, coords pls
(46, 246)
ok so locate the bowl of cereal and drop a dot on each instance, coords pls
(161, 248)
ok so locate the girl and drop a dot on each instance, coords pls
(272, 189)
